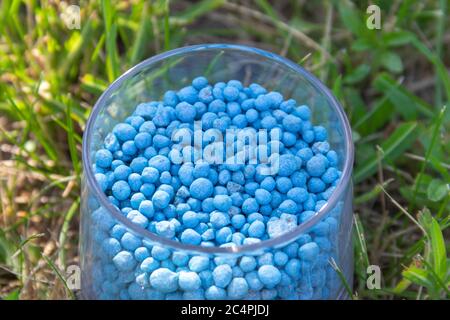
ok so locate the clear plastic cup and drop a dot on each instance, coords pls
(330, 227)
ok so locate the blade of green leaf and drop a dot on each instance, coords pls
(196, 10)
(109, 18)
(358, 74)
(405, 102)
(141, 37)
(65, 228)
(437, 126)
(93, 84)
(76, 49)
(342, 277)
(418, 276)
(35, 126)
(372, 193)
(267, 8)
(398, 142)
(13, 295)
(59, 275)
(392, 61)
(350, 17)
(439, 65)
(440, 26)
(439, 252)
(360, 243)
(436, 254)
(375, 118)
(71, 139)
(437, 190)
(166, 25)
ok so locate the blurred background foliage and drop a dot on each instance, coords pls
(394, 84)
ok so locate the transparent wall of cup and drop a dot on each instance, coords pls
(314, 279)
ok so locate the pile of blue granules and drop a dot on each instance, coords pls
(150, 168)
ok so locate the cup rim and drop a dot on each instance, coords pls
(273, 242)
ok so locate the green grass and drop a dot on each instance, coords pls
(394, 84)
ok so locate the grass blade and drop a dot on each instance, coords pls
(398, 142)
(76, 49)
(141, 37)
(71, 139)
(434, 136)
(417, 276)
(439, 252)
(59, 275)
(197, 10)
(359, 232)
(342, 277)
(440, 67)
(109, 17)
(404, 102)
(166, 26)
(65, 228)
(436, 251)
